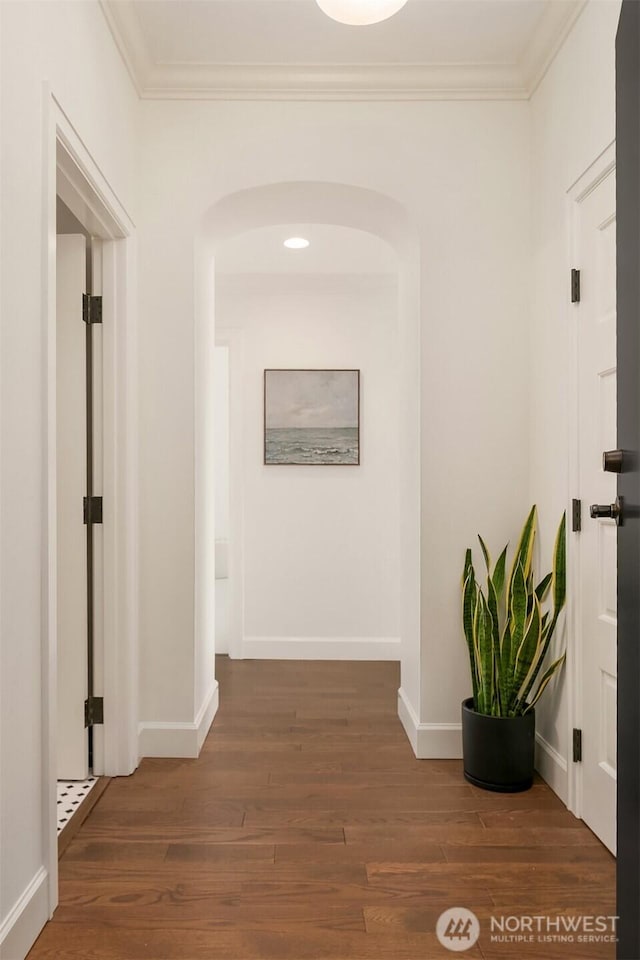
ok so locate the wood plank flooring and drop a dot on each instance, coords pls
(307, 829)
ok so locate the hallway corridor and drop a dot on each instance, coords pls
(307, 829)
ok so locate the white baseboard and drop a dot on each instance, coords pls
(206, 713)
(552, 767)
(160, 739)
(443, 741)
(430, 741)
(321, 648)
(408, 719)
(22, 925)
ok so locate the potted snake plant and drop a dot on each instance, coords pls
(508, 635)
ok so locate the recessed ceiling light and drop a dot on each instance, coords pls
(359, 13)
(296, 243)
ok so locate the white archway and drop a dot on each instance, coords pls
(339, 205)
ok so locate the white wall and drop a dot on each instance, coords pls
(461, 170)
(321, 544)
(69, 46)
(573, 120)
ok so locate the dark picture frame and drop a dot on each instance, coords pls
(311, 417)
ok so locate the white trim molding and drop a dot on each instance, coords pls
(233, 339)
(70, 169)
(26, 919)
(172, 80)
(203, 81)
(321, 648)
(552, 767)
(179, 739)
(73, 174)
(430, 741)
(206, 713)
(551, 31)
(443, 741)
(603, 166)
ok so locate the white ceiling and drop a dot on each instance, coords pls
(289, 48)
(331, 250)
(296, 31)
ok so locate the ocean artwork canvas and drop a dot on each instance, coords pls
(312, 417)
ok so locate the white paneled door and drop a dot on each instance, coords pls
(596, 544)
(71, 478)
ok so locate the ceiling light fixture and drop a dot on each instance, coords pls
(296, 243)
(359, 13)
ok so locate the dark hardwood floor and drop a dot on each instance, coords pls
(307, 829)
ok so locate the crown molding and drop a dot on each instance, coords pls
(329, 82)
(254, 81)
(129, 39)
(551, 32)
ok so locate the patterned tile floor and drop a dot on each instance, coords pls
(71, 793)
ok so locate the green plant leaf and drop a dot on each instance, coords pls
(499, 573)
(492, 603)
(517, 628)
(560, 567)
(468, 607)
(544, 680)
(530, 679)
(543, 587)
(495, 587)
(495, 651)
(527, 653)
(505, 667)
(525, 687)
(477, 658)
(524, 550)
(468, 564)
(486, 555)
(559, 576)
(485, 645)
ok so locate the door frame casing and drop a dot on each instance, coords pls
(595, 173)
(233, 339)
(70, 171)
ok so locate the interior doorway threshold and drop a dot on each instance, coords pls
(75, 801)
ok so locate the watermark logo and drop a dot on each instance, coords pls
(458, 929)
(584, 928)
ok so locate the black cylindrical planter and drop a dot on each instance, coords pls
(498, 751)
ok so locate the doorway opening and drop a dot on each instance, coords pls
(79, 547)
(320, 579)
(83, 686)
(324, 206)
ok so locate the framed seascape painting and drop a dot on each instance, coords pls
(312, 417)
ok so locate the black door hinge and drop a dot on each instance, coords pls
(93, 711)
(575, 286)
(576, 516)
(91, 308)
(577, 745)
(92, 507)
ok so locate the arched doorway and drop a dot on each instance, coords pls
(321, 203)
